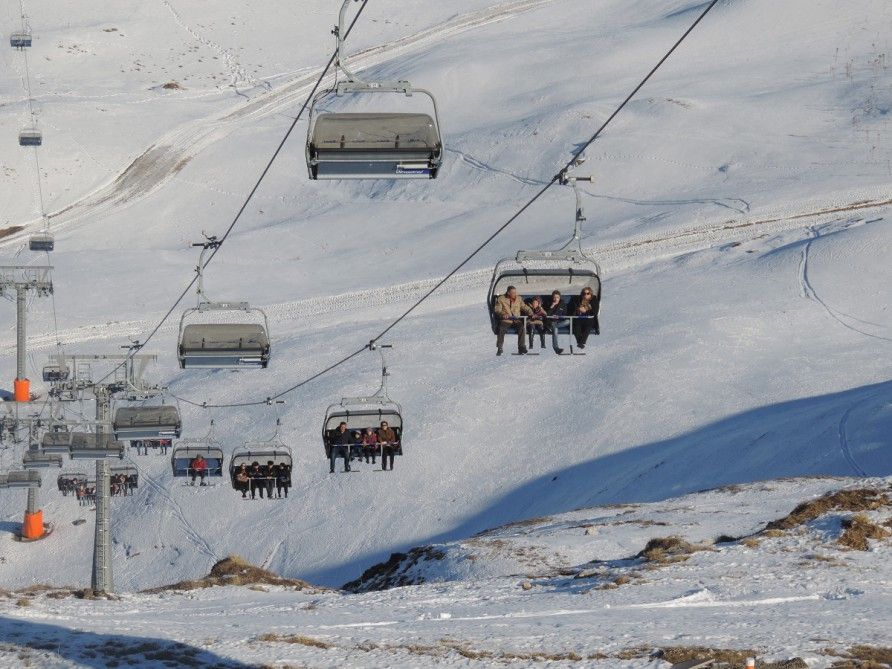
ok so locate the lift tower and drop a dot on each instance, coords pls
(19, 280)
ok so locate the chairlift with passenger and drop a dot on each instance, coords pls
(371, 145)
(55, 373)
(68, 482)
(366, 412)
(538, 273)
(222, 345)
(186, 450)
(31, 136)
(20, 39)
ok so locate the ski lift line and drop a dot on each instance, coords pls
(555, 179)
(242, 209)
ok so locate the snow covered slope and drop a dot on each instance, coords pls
(741, 213)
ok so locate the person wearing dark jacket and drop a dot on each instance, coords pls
(256, 474)
(556, 310)
(283, 479)
(584, 309)
(269, 473)
(340, 447)
(389, 444)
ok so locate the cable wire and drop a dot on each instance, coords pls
(247, 199)
(555, 179)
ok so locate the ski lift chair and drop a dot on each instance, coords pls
(34, 458)
(57, 442)
(68, 482)
(147, 422)
(221, 345)
(42, 242)
(130, 473)
(360, 413)
(94, 446)
(371, 145)
(539, 273)
(28, 478)
(261, 452)
(188, 449)
(55, 373)
(20, 39)
(30, 137)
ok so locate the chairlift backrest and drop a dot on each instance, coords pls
(28, 478)
(261, 452)
(41, 242)
(362, 418)
(147, 422)
(20, 39)
(92, 446)
(31, 137)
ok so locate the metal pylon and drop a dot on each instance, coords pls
(102, 568)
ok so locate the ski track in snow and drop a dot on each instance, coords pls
(844, 441)
(191, 533)
(808, 291)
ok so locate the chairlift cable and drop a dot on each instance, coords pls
(244, 206)
(555, 179)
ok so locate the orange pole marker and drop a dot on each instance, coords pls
(32, 527)
(22, 390)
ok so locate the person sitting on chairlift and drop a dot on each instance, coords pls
(510, 310)
(243, 480)
(198, 467)
(556, 311)
(256, 475)
(164, 444)
(269, 473)
(370, 445)
(340, 447)
(585, 311)
(283, 479)
(536, 322)
(389, 444)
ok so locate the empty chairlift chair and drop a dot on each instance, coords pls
(35, 458)
(185, 452)
(43, 241)
(57, 442)
(28, 478)
(20, 39)
(93, 446)
(30, 137)
(538, 273)
(147, 422)
(222, 345)
(377, 145)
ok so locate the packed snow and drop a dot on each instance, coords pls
(740, 213)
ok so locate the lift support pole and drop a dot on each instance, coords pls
(21, 279)
(102, 568)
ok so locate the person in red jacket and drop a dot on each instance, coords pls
(199, 468)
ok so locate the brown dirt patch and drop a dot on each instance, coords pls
(862, 657)
(858, 530)
(736, 658)
(11, 230)
(855, 500)
(234, 570)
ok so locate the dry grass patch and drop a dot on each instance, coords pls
(855, 500)
(295, 638)
(6, 232)
(862, 657)
(668, 550)
(735, 658)
(857, 532)
(234, 570)
(751, 542)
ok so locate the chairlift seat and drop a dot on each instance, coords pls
(41, 242)
(224, 345)
(69, 481)
(57, 442)
(541, 282)
(155, 422)
(374, 146)
(184, 454)
(361, 417)
(260, 452)
(93, 446)
(55, 373)
(35, 459)
(28, 478)
(30, 137)
(20, 40)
